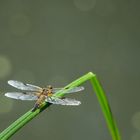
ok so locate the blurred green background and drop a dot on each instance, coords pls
(56, 41)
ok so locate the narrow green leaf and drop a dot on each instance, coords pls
(19, 123)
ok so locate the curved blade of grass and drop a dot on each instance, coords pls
(19, 123)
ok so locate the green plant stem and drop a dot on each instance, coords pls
(19, 123)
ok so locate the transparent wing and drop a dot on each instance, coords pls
(65, 101)
(22, 95)
(76, 89)
(23, 86)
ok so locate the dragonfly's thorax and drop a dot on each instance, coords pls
(47, 91)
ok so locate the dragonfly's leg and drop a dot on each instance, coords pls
(36, 106)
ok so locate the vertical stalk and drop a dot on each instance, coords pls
(105, 108)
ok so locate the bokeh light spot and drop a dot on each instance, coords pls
(85, 5)
(6, 104)
(136, 120)
(20, 24)
(5, 66)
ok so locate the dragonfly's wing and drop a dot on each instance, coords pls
(22, 95)
(76, 89)
(65, 101)
(23, 86)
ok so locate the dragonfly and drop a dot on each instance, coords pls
(31, 92)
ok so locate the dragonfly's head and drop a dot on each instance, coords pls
(49, 87)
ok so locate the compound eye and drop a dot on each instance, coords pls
(50, 87)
